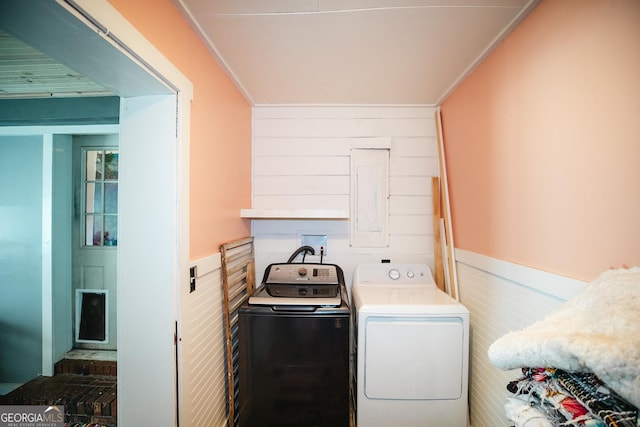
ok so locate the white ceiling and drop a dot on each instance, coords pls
(358, 52)
(28, 73)
(383, 52)
(47, 52)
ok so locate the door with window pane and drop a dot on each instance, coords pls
(95, 238)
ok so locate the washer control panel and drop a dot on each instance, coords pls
(393, 274)
(296, 273)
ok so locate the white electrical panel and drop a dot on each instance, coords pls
(369, 221)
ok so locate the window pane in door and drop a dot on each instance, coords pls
(93, 197)
(110, 230)
(110, 197)
(94, 165)
(93, 227)
(111, 165)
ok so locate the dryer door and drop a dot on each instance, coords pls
(414, 358)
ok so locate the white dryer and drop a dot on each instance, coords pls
(412, 349)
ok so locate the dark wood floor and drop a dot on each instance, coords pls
(87, 389)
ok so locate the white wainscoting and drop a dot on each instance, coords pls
(501, 297)
(202, 349)
(301, 158)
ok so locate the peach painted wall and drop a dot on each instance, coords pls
(220, 178)
(543, 142)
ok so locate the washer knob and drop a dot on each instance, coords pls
(410, 274)
(394, 274)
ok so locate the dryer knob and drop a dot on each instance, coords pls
(394, 274)
(410, 274)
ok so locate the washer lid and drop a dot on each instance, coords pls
(405, 299)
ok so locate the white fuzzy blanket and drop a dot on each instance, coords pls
(598, 331)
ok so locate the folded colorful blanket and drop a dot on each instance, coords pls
(523, 414)
(597, 331)
(539, 387)
(594, 395)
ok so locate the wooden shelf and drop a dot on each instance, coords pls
(294, 213)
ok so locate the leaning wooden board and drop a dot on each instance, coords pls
(238, 281)
(437, 244)
(446, 211)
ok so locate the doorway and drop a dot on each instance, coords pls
(95, 241)
(154, 123)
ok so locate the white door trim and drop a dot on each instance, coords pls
(47, 255)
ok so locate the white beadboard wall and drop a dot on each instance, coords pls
(501, 297)
(202, 349)
(301, 161)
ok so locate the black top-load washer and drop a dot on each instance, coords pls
(294, 348)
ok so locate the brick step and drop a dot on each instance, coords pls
(86, 367)
(90, 399)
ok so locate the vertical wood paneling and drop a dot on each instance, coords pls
(499, 302)
(301, 160)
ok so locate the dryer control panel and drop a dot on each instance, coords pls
(384, 274)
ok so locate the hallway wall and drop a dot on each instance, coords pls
(61, 244)
(20, 258)
(542, 142)
(542, 150)
(220, 160)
